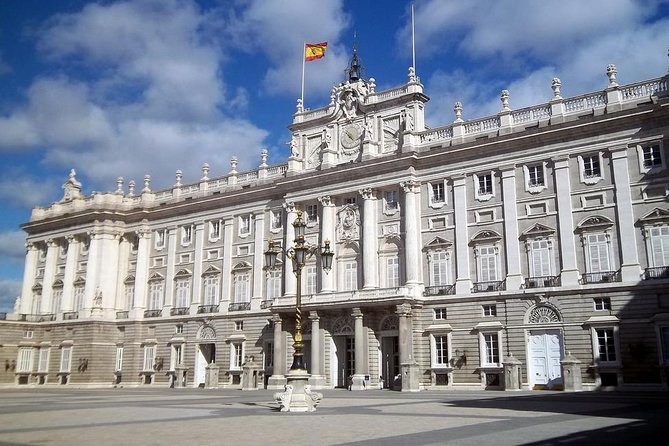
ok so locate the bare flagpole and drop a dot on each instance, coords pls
(304, 45)
(413, 40)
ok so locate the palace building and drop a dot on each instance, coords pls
(528, 249)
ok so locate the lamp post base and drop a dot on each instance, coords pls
(298, 396)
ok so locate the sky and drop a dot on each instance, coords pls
(133, 87)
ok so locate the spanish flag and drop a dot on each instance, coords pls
(313, 51)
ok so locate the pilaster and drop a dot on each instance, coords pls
(358, 381)
(569, 274)
(123, 256)
(278, 378)
(29, 273)
(463, 282)
(328, 234)
(258, 256)
(197, 266)
(69, 274)
(91, 273)
(412, 231)
(317, 380)
(49, 274)
(226, 272)
(290, 286)
(514, 278)
(369, 239)
(141, 273)
(168, 301)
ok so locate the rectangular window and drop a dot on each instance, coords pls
(37, 303)
(350, 276)
(491, 349)
(312, 213)
(440, 313)
(244, 224)
(485, 184)
(659, 242)
(540, 260)
(441, 350)
(536, 175)
(490, 310)
(438, 192)
(28, 334)
(391, 200)
(268, 353)
(211, 290)
(652, 156)
(119, 359)
(44, 354)
(439, 267)
(159, 239)
(65, 359)
(57, 300)
(273, 285)
(155, 296)
(237, 356)
(392, 272)
(24, 364)
(309, 279)
(591, 168)
(487, 264)
(275, 217)
(177, 356)
(78, 297)
(241, 287)
(598, 253)
(214, 230)
(186, 235)
(239, 325)
(606, 345)
(182, 290)
(149, 357)
(602, 303)
(129, 295)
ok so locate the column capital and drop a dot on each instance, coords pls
(289, 206)
(560, 161)
(276, 318)
(618, 151)
(508, 170)
(314, 317)
(459, 179)
(356, 313)
(403, 310)
(143, 233)
(410, 186)
(31, 246)
(325, 200)
(368, 193)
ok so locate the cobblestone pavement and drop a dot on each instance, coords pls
(137, 416)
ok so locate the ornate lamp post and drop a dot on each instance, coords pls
(297, 398)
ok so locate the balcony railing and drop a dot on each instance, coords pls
(659, 272)
(122, 314)
(239, 306)
(542, 281)
(266, 303)
(70, 315)
(207, 309)
(180, 311)
(153, 313)
(439, 290)
(600, 277)
(47, 317)
(483, 287)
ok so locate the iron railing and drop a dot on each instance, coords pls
(179, 311)
(601, 277)
(207, 309)
(659, 272)
(439, 290)
(542, 281)
(153, 313)
(483, 287)
(239, 306)
(122, 314)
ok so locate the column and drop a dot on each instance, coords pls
(258, 254)
(412, 231)
(630, 268)
(196, 286)
(463, 282)
(569, 274)
(408, 366)
(69, 274)
(316, 379)
(49, 275)
(358, 382)
(141, 273)
(91, 272)
(108, 271)
(370, 240)
(278, 378)
(514, 278)
(328, 234)
(172, 236)
(226, 273)
(29, 272)
(290, 285)
(123, 255)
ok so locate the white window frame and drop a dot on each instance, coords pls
(588, 245)
(311, 214)
(601, 303)
(594, 329)
(275, 221)
(273, 285)
(434, 200)
(149, 358)
(478, 193)
(434, 344)
(160, 237)
(66, 359)
(57, 300)
(24, 360)
(484, 351)
(391, 201)
(591, 179)
(210, 286)
(529, 185)
(129, 293)
(391, 270)
(310, 277)
(156, 295)
(244, 229)
(531, 252)
(118, 362)
(651, 244)
(489, 310)
(241, 283)
(440, 314)
(479, 262)
(444, 264)
(214, 233)
(78, 299)
(237, 354)
(182, 292)
(176, 355)
(655, 168)
(350, 275)
(186, 235)
(43, 361)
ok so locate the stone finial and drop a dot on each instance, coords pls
(233, 165)
(457, 108)
(504, 97)
(71, 187)
(555, 85)
(612, 72)
(131, 188)
(178, 176)
(205, 172)
(264, 153)
(412, 75)
(372, 85)
(300, 106)
(147, 184)
(333, 96)
(119, 186)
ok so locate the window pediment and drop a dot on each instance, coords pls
(57, 284)
(595, 222)
(242, 266)
(438, 243)
(486, 236)
(156, 277)
(129, 279)
(657, 215)
(212, 270)
(81, 281)
(183, 273)
(538, 230)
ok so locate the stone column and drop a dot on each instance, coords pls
(91, 273)
(359, 382)
(278, 378)
(290, 287)
(123, 254)
(514, 278)
(630, 268)
(258, 255)
(463, 283)
(317, 379)
(408, 365)
(370, 240)
(141, 273)
(29, 273)
(328, 234)
(108, 271)
(412, 231)
(226, 272)
(569, 274)
(69, 274)
(172, 237)
(49, 275)
(197, 267)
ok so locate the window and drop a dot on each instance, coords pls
(40, 273)
(182, 291)
(268, 354)
(489, 310)
(311, 213)
(159, 239)
(57, 300)
(43, 364)
(390, 200)
(437, 193)
(237, 355)
(392, 272)
(37, 302)
(652, 156)
(155, 295)
(149, 357)
(65, 359)
(490, 349)
(664, 341)
(598, 253)
(134, 245)
(241, 287)
(590, 168)
(158, 262)
(212, 254)
(214, 230)
(350, 276)
(440, 313)
(62, 250)
(535, 177)
(309, 274)
(275, 219)
(24, 364)
(179, 329)
(439, 268)
(539, 258)
(273, 285)
(244, 225)
(239, 325)
(177, 356)
(129, 295)
(606, 346)
(659, 243)
(487, 263)
(186, 235)
(28, 334)
(210, 290)
(119, 359)
(441, 350)
(484, 186)
(602, 303)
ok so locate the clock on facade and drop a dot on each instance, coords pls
(350, 136)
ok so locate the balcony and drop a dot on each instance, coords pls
(266, 303)
(484, 287)
(660, 272)
(179, 311)
(600, 277)
(70, 315)
(207, 309)
(122, 315)
(239, 306)
(542, 281)
(46, 317)
(153, 313)
(439, 290)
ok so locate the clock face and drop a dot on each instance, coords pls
(350, 136)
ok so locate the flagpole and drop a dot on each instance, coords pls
(304, 45)
(413, 41)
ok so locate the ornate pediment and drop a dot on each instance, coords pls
(242, 266)
(595, 222)
(183, 273)
(129, 279)
(486, 236)
(538, 230)
(655, 216)
(212, 270)
(348, 223)
(156, 277)
(438, 243)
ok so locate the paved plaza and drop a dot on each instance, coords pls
(232, 417)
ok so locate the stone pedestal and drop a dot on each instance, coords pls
(358, 382)
(511, 373)
(410, 372)
(252, 375)
(276, 382)
(318, 382)
(571, 374)
(180, 376)
(211, 376)
(298, 396)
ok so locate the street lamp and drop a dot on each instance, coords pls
(299, 253)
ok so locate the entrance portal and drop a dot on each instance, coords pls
(390, 366)
(545, 353)
(344, 347)
(206, 354)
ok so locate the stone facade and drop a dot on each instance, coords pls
(522, 238)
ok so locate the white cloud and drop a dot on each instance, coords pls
(25, 191)
(9, 290)
(12, 245)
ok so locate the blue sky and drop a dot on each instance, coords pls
(134, 87)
